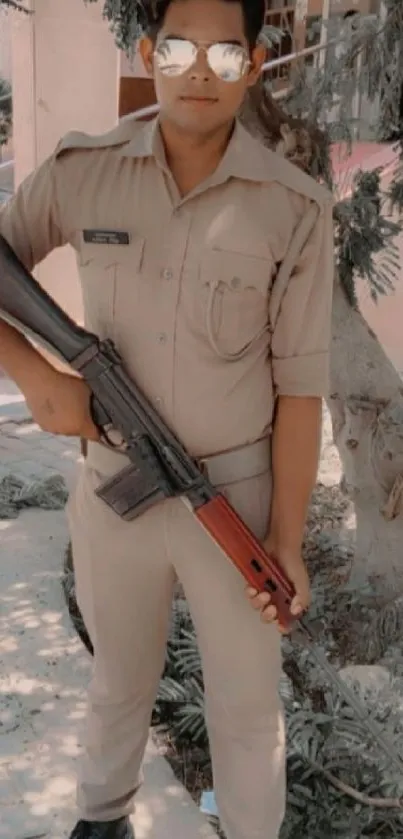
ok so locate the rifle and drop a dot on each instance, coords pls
(159, 467)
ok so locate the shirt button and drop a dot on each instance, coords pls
(167, 274)
(162, 338)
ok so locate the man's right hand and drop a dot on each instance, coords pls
(60, 404)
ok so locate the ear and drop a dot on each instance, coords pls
(258, 58)
(146, 50)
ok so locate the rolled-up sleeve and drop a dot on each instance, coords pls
(30, 220)
(302, 331)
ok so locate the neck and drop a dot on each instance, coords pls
(192, 158)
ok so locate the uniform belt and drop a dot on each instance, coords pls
(224, 468)
(237, 464)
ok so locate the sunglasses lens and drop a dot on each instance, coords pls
(228, 61)
(174, 56)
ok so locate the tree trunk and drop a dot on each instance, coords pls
(366, 406)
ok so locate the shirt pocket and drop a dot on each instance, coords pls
(109, 279)
(234, 291)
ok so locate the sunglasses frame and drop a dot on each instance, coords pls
(205, 47)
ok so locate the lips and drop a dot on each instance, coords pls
(202, 99)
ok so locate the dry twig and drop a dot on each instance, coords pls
(366, 800)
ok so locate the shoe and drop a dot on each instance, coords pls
(118, 829)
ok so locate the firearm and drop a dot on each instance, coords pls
(159, 466)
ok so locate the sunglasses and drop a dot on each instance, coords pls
(175, 56)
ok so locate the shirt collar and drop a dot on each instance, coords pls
(245, 157)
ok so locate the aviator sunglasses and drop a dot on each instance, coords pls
(175, 56)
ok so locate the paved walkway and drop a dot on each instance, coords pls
(44, 667)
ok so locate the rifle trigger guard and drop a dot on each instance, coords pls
(101, 419)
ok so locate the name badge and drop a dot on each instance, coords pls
(106, 237)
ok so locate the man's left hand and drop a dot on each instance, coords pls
(293, 565)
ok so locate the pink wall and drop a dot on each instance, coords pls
(65, 70)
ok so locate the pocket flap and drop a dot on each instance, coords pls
(237, 271)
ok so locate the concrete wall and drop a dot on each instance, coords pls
(65, 70)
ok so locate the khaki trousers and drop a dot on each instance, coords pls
(125, 573)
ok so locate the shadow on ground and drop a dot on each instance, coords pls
(44, 670)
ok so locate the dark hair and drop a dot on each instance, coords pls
(254, 13)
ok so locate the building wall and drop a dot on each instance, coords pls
(136, 88)
(65, 76)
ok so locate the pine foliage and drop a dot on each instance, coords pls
(339, 784)
(325, 98)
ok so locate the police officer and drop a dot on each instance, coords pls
(208, 259)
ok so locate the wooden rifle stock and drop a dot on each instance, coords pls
(260, 570)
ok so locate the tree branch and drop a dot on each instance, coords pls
(366, 800)
(303, 144)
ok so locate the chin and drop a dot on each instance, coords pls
(199, 123)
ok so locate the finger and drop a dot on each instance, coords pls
(260, 602)
(258, 599)
(263, 599)
(298, 603)
(254, 602)
(282, 629)
(269, 614)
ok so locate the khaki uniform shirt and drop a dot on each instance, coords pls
(218, 301)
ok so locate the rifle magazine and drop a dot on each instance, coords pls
(132, 491)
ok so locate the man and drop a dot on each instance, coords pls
(208, 260)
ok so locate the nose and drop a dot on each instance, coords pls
(200, 70)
